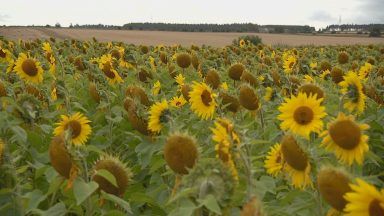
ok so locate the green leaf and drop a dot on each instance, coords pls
(34, 198)
(83, 190)
(210, 202)
(57, 210)
(107, 175)
(19, 133)
(122, 203)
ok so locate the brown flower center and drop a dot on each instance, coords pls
(353, 93)
(291, 64)
(75, 127)
(375, 209)
(206, 97)
(293, 154)
(107, 69)
(303, 115)
(345, 134)
(29, 67)
(2, 53)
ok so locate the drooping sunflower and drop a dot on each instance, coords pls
(178, 101)
(202, 100)
(158, 115)
(353, 91)
(106, 66)
(302, 114)
(28, 69)
(274, 161)
(346, 139)
(364, 200)
(78, 125)
(297, 162)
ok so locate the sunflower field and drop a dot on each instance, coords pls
(95, 128)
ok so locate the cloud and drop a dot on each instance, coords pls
(322, 16)
(4, 17)
(370, 11)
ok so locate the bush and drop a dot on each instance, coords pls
(375, 32)
(254, 39)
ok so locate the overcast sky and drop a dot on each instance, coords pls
(318, 13)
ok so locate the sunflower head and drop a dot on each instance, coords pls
(343, 57)
(185, 90)
(180, 153)
(364, 199)
(231, 103)
(248, 99)
(183, 60)
(163, 57)
(337, 74)
(293, 154)
(144, 49)
(325, 65)
(136, 92)
(302, 114)
(202, 100)
(29, 69)
(249, 78)
(94, 92)
(333, 184)
(79, 64)
(312, 89)
(212, 79)
(345, 137)
(195, 61)
(144, 76)
(60, 158)
(118, 169)
(235, 71)
(352, 88)
(159, 114)
(276, 77)
(78, 127)
(274, 161)
(115, 53)
(3, 90)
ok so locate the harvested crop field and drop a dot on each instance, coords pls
(183, 38)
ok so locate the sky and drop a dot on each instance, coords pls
(317, 13)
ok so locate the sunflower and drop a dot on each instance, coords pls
(365, 70)
(158, 115)
(5, 55)
(296, 162)
(105, 64)
(180, 80)
(202, 100)
(269, 94)
(302, 114)
(79, 127)
(242, 43)
(353, 92)
(11, 65)
(274, 161)
(364, 200)
(156, 88)
(289, 64)
(225, 137)
(224, 86)
(28, 69)
(178, 101)
(345, 138)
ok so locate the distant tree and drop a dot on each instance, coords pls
(70, 25)
(48, 26)
(375, 32)
(57, 25)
